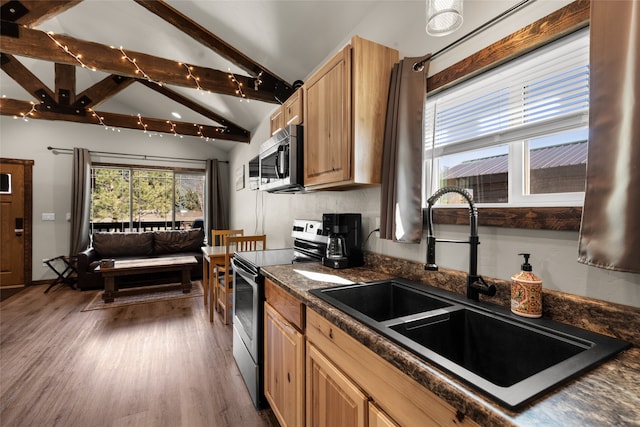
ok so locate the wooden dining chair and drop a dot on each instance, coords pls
(224, 284)
(217, 239)
(217, 236)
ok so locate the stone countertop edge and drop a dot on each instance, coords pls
(606, 395)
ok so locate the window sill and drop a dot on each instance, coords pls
(559, 218)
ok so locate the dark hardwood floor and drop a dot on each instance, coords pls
(154, 364)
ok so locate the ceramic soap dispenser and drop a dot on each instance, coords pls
(526, 291)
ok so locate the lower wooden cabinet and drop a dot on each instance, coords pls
(283, 369)
(332, 399)
(378, 418)
(403, 400)
(317, 375)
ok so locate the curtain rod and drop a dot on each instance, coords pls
(479, 29)
(131, 156)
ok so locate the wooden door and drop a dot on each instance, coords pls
(15, 219)
(327, 118)
(332, 398)
(283, 369)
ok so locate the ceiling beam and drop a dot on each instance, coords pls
(38, 44)
(33, 12)
(63, 105)
(25, 78)
(234, 128)
(269, 80)
(13, 107)
(65, 84)
(102, 90)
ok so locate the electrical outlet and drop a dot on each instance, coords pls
(377, 223)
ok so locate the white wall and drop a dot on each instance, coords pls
(52, 172)
(554, 254)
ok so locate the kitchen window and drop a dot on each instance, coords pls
(516, 135)
(136, 199)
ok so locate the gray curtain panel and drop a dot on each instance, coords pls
(80, 201)
(401, 193)
(216, 217)
(610, 231)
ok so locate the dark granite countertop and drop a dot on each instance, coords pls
(605, 396)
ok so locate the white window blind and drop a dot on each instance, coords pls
(544, 91)
(541, 95)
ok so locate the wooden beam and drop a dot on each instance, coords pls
(25, 78)
(34, 12)
(539, 33)
(534, 218)
(37, 44)
(202, 35)
(18, 108)
(102, 90)
(65, 84)
(234, 128)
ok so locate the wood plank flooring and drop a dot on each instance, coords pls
(155, 364)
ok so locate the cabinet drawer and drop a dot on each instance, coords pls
(286, 304)
(403, 399)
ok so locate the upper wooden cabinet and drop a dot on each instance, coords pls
(277, 120)
(345, 105)
(292, 109)
(289, 113)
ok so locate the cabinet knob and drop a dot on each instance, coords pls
(331, 333)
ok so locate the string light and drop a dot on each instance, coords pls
(239, 91)
(25, 116)
(142, 124)
(76, 56)
(191, 76)
(101, 121)
(258, 81)
(135, 64)
(173, 128)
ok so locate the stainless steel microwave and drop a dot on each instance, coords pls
(282, 162)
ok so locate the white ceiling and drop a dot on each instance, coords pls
(289, 38)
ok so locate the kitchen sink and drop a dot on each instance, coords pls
(510, 358)
(384, 300)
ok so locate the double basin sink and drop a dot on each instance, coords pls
(510, 358)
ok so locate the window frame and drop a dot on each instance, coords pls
(174, 170)
(560, 23)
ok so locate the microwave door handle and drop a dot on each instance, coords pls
(276, 166)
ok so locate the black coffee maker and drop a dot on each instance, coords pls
(345, 238)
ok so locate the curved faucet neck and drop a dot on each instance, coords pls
(475, 283)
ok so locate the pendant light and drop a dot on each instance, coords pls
(443, 17)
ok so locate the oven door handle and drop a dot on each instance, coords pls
(243, 272)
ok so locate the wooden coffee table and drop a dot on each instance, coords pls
(144, 266)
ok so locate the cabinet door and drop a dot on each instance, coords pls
(377, 417)
(277, 120)
(283, 369)
(327, 116)
(293, 109)
(332, 399)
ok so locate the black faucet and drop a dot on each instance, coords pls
(475, 283)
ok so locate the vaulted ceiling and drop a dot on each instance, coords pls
(132, 63)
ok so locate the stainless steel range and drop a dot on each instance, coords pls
(248, 298)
